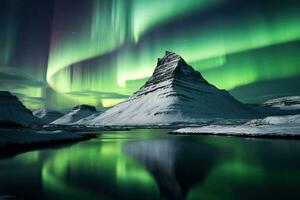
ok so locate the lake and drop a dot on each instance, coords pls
(151, 164)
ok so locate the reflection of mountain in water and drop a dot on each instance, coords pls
(148, 165)
(171, 164)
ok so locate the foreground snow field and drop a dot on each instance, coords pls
(274, 126)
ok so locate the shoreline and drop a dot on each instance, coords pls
(282, 131)
(15, 144)
(254, 136)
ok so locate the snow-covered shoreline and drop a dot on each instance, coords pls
(273, 126)
(265, 131)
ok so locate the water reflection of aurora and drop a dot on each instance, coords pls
(137, 164)
(115, 172)
(111, 169)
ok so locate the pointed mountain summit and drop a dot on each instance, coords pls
(172, 66)
(175, 93)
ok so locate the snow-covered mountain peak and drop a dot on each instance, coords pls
(175, 93)
(46, 115)
(84, 107)
(173, 67)
(284, 103)
(77, 113)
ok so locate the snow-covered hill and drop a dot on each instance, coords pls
(47, 116)
(175, 93)
(77, 113)
(277, 120)
(273, 126)
(13, 111)
(284, 103)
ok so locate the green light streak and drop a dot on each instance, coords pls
(148, 14)
(228, 51)
(8, 36)
(101, 34)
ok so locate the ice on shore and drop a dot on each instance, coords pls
(273, 126)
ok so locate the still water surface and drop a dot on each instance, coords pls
(150, 164)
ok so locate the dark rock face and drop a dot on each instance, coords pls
(9, 124)
(13, 112)
(7, 98)
(173, 67)
(85, 107)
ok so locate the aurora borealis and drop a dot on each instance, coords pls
(58, 53)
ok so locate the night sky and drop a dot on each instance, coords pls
(59, 53)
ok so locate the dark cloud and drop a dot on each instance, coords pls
(25, 98)
(98, 94)
(16, 79)
(260, 91)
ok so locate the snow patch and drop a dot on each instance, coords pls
(46, 115)
(284, 103)
(277, 120)
(274, 126)
(76, 114)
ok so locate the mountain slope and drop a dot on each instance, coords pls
(13, 111)
(175, 93)
(47, 116)
(77, 113)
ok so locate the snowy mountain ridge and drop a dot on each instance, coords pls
(46, 115)
(77, 113)
(284, 103)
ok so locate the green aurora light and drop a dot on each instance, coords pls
(111, 46)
